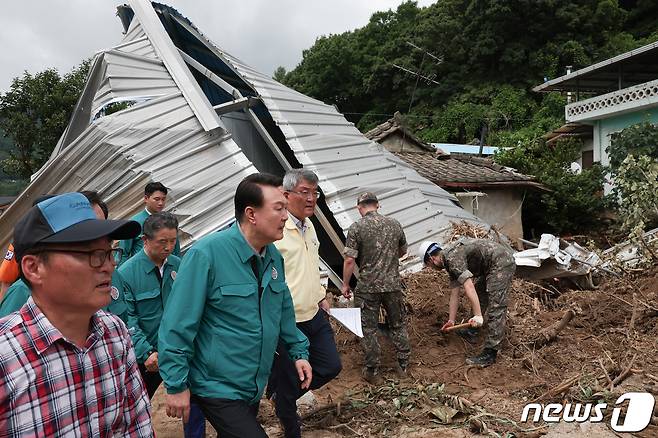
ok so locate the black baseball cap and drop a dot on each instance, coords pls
(67, 218)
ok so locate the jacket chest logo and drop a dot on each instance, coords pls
(173, 275)
(114, 293)
(275, 273)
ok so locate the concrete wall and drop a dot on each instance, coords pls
(500, 207)
(396, 143)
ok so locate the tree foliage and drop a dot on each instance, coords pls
(34, 113)
(486, 55)
(633, 156)
(279, 74)
(574, 200)
(636, 140)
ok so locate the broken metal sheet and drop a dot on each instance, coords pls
(348, 163)
(157, 139)
(555, 258)
(630, 254)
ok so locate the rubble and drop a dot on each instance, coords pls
(632, 255)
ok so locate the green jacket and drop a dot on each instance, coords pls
(146, 299)
(217, 336)
(134, 246)
(14, 298)
(18, 293)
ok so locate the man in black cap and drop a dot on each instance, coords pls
(68, 368)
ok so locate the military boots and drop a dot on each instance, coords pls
(484, 359)
(372, 376)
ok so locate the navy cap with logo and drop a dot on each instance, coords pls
(67, 218)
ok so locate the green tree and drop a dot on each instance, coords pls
(34, 113)
(639, 139)
(279, 74)
(633, 156)
(574, 201)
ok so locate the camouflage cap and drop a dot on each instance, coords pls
(366, 197)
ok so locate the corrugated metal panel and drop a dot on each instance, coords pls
(136, 42)
(127, 76)
(157, 140)
(348, 163)
(168, 53)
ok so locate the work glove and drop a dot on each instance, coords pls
(447, 325)
(476, 321)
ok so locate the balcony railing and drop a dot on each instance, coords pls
(628, 99)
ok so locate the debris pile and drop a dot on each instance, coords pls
(562, 346)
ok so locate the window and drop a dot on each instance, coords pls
(588, 159)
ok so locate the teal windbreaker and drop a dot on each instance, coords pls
(221, 327)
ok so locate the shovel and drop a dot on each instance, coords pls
(457, 327)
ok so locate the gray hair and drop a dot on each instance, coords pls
(158, 221)
(295, 176)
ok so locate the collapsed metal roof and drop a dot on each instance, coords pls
(199, 120)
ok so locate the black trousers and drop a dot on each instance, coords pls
(284, 385)
(196, 426)
(231, 418)
(151, 380)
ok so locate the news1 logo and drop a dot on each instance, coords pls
(638, 414)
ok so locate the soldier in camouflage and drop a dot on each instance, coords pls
(377, 242)
(484, 269)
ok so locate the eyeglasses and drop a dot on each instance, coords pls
(97, 257)
(306, 194)
(163, 242)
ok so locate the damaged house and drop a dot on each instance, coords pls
(189, 114)
(489, 191)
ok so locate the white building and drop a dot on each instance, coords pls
(606, 98)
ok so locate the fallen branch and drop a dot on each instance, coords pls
(562, 387)
(630, 304)
(605, 372)
(549, 334)
(623, 374)
(631, 324)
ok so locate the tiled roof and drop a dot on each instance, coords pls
(391, 126)
(458, 170)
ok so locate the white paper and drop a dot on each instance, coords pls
(350, 317)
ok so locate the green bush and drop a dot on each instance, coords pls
(634, 166)
(574, 201)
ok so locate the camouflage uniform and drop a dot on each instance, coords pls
(375, 241)
(491, 267)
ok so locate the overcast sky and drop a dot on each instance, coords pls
(37, 34)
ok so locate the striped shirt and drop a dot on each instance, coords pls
(51, 387)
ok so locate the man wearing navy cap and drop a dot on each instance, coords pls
(68, 368)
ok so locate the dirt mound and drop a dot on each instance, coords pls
(607, 349)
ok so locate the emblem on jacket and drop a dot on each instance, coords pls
(275, 273)
(173, 275)
(114, 293)
(9, 255)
